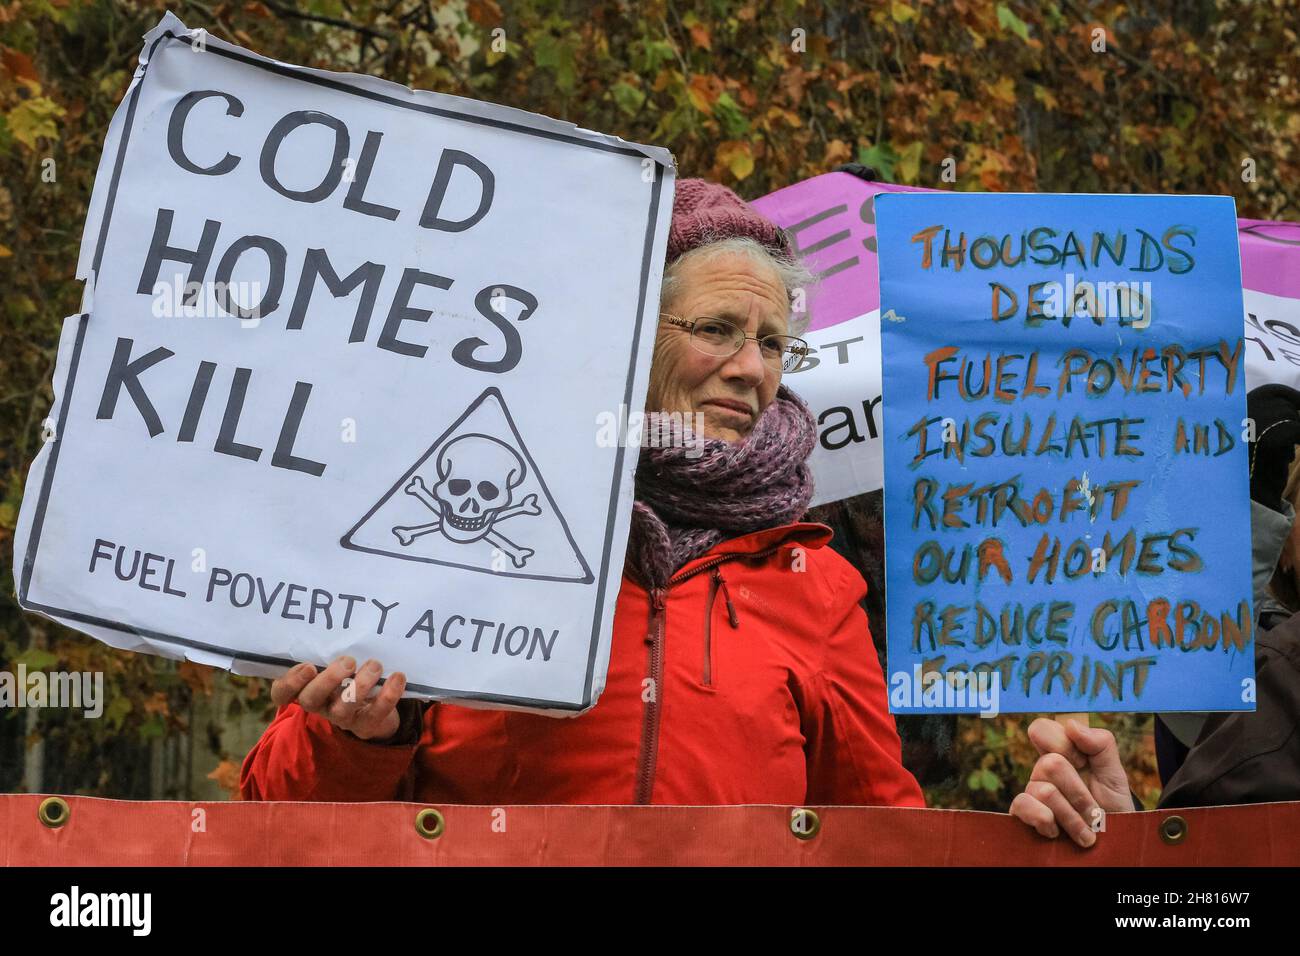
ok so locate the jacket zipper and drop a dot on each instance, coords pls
(717, 583)
(646, 760)
(645, 774)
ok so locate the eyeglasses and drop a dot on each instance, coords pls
(720, 337)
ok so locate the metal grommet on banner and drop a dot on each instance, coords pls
(54, 812)
(804, 823)
(429, 823)
(1173, 830)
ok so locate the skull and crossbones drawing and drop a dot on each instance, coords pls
(477, 476)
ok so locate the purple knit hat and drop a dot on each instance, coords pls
(706, 212)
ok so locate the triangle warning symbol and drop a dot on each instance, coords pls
(475, 500)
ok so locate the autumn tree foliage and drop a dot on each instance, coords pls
(1181, 96)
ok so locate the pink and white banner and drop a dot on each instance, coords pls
(1270, 286)
(831, 221)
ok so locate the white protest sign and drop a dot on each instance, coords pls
(1270, 279)
(840, 381)
(337, 382)
(1272, 339)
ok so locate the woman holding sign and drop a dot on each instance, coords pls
(741, 671)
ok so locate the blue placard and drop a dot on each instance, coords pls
(1067, 501)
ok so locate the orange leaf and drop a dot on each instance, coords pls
(700, 36)
(837, 151)
(737, 157)
(698, 92)
(198, 677)
(484, 12)
(1004, 90)
(18, 64)
(1094, 78)
(227, 777)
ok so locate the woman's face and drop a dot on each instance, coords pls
(730, 393)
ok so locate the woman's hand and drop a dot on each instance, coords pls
(349, 707)
(1076, 781)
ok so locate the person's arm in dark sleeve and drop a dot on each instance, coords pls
(1269, 530)
(1247, 757)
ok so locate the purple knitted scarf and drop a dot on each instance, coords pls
(685, 505)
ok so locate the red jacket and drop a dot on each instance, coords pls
(768, 692)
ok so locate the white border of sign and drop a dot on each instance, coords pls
(437, 104)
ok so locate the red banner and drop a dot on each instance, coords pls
(86, 831)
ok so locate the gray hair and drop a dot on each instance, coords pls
(794, 275)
